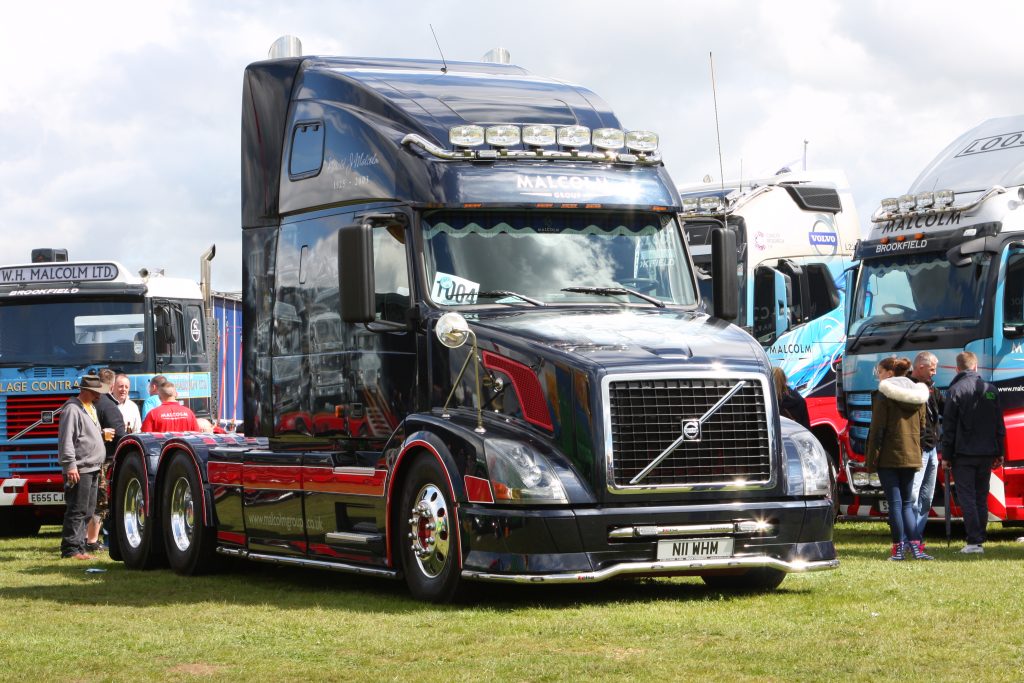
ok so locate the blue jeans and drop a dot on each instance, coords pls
(924, 488)
(898, 484)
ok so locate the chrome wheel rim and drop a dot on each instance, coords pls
(134, 514)
(429, 530)
(182, 514)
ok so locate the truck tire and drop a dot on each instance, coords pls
(190, 544)
(428, 536)
(136, 530)
(761, 579)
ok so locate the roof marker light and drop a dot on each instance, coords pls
(608, 138)
(944, 197)
(641, 140)
(907, 202)
(539, 135)
(890, 205)
(573, 136)
(466, 136)
(502, 136)
(711, 203)
(923, 200)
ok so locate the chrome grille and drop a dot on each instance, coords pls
(645, 416)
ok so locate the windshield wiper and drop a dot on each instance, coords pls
(910, 328)
(498, 293)
(615, 291)
(865, 328)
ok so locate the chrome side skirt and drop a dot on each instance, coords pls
(653, 568)
(306, 562)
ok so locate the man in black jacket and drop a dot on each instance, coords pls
(973, 435)
(923, 370)
(110, 419)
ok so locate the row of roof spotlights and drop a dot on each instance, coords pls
(507, 135)
(920, 201)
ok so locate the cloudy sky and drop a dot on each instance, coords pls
(119, 121)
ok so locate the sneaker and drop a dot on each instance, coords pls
(94, 547)
(972, 548)
(897, 552)
(917, 550)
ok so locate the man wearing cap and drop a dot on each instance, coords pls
(81, 451)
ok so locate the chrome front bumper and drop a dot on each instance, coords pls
(657, 568)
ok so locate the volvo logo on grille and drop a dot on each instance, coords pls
(691, 430)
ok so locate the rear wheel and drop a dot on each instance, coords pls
(754, 580)
(428, 534)
(189, 543)
(136, 529)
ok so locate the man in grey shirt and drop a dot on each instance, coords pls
(81, 451)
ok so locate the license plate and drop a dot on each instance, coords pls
(695, 549)
(46, 498)
(883, 507)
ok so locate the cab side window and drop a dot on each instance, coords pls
(391, 270)
(168, 334)
(1013, 294)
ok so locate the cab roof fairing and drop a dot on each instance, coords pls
(990, 154)
(369, 106)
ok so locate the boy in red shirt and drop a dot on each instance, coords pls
(170, 416)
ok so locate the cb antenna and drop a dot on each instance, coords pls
(718, 134)
(444, 64)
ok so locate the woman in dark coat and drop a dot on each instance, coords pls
(894, 449)
(791, 403)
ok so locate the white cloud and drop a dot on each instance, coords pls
(119, 123)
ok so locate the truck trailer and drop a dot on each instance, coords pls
(475, 350)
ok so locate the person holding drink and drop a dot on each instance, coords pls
(112, 426)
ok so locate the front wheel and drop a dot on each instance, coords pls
(136, 528)
(757, 580)
(189, 543)
(428, 534)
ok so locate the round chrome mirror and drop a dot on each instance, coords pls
(452, 330)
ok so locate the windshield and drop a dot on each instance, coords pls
(505, 256)
(920, 287)
(72, 333)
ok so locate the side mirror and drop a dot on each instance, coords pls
(355, 273)
(725, 283)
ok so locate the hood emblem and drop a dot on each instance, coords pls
(691, 431)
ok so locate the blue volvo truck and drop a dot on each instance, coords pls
(475, 350)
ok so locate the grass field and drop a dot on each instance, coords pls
(959, 618)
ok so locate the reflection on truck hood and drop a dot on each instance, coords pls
(622, 337)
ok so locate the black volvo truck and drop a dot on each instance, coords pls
(475, 350)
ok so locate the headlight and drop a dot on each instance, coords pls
(519, 474)
(814, 467)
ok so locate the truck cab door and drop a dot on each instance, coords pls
(198, 360)
(1008, 350)
(771, 304)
